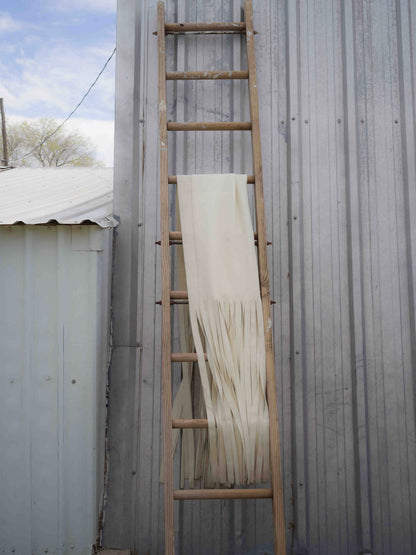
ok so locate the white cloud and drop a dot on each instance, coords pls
(51, 80)
(8, 24)
(102, 6)
(101, 134)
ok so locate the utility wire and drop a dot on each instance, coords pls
(73, 111)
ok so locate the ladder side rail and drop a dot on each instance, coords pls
(275, 458)
(166, 317)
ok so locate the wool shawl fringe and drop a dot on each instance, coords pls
(226, 319)
(234, 390)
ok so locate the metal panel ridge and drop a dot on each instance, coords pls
(337, 95)
(64, 195)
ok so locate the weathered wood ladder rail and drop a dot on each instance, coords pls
(168, 237)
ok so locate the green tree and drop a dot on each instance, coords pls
(34, 144)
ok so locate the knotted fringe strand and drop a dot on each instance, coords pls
(234, 385)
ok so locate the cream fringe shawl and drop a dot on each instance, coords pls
(226, 319)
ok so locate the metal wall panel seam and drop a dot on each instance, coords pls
(356, 114)
(342, 344)
(62, 317)
(374, 276)
(278, 138)
(407, 54)
(104, 265)
(358, 355)
(103, 367)
(149, 526)
(141, 485)
(12, 378)
(299, 460)
(393, 335)
(406, 15)
(122, 433)
(26, 400)
(366, 166)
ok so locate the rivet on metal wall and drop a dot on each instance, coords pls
(74, 381)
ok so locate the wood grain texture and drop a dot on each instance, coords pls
(185, 357)
(166, 322)
(177, 236)
(275, 458)
(196, 423)
(183, 296)
(179, 294)
(173, 179)
(209, 126)
(237, 27)
(259, 493)
(203, 75)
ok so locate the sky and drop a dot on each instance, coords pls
(51, 52)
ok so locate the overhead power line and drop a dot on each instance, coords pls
(73, 111)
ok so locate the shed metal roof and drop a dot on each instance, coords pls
(63, 195)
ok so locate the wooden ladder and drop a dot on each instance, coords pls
(168, 296)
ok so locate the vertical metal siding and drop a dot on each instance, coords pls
(53, 344)
(337, 107)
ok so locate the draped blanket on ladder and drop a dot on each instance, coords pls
(226, 319)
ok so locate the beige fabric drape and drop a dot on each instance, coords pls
(226, 317)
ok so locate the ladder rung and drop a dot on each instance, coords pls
(179, 294)
(209, 126)
(183, 295)
(237, 27)
(193, 423)
(173, 179)
(188, 75)
(185, 357)
(259, 493)
(177, 235)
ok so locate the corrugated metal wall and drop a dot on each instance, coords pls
(337, 86)
(54, 306)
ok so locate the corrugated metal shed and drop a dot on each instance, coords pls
(64, 195)
(337, 86)
(54, 346)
